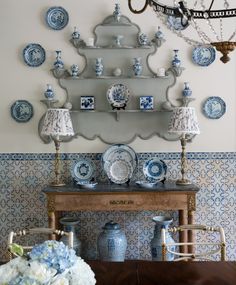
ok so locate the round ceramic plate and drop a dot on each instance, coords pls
(34, 55)
(154, 170)
(83, 171)
(118, 95)
(175, 23)
(87, 185)
(214, 107)
(119, 151)
(119, 171)
(57, 18)
(22, 111)
(203, 55)
(145, 184)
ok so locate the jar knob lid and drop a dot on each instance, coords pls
(111, 226)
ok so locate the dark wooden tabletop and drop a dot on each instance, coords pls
(164, 273)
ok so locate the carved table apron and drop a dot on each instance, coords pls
(113, 197)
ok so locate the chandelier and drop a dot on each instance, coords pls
(179, 18)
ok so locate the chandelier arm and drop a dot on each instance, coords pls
(211, 4)
(138, 11)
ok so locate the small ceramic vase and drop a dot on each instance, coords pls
(69, 225)
(75, 35)
(137, 66)
(143, 39)
(49, 94)
(112, 243)
(99, 66)
(186, 91)
(58, 64)
(176, 61)
(156, 242)
(118, 39)
(74, 70)
(117, 13)
(159, 35)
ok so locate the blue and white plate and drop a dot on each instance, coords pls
(203, 55)
(214, 107)
(154, 170)
(57, 18)
(119, 171)
(34, 55)
(83, 171)
(175, 23)
(118, 95)
(145, 184)
(22, 111)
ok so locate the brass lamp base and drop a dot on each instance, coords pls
(57, 184)
(183, 182)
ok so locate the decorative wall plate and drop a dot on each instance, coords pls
(214, 107)
(57, 18)
(119, 171)
(119, 151)
(175, 23)
(203, 55)
(118, 95)
(34, 55)
(154, 170)
(22, 111)
(83, 171)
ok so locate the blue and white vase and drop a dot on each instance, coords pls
(49, 94)
(58, 64)
(143, 39)
(74, 70)
(69, 225)
(99, 66)
(112, 243)
(117, 13)
(186, 91)
(156, 242)
(75, 35)
(137, 66)
(159, 35)
(176, 62)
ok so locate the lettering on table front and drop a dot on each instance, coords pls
(121, 202)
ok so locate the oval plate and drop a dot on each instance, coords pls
(203, 55)
(154, 170)
(83, 171)
(214, 107)
(34, 55)
(118, 95)
(22, 111)
(57, 18)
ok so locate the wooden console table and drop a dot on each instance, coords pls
(112, 197)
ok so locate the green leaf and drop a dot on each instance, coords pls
(16, 249)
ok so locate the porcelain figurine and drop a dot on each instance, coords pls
(137, 66)
(117, 13)
(112, 243)
(186, 91)
(99, 66)
(74, 70)
(58, 64)
(49, 94)
(176, 62)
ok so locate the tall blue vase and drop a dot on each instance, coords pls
(99, 67)
(137, 66)
(156, 242)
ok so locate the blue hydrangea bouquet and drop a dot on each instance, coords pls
(49, 263)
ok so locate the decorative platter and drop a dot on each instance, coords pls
(83, 171)
(118, 95)
(214, 107)
(203, 55)
(154, 170)
(119, 171)
(34, 55)
(175, 23)
(22, 111)
(57, 18)
(119, 152)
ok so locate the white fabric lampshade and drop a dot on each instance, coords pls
(184, 121)
(57, 123)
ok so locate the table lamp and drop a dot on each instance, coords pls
(57, 123)
(184, 122)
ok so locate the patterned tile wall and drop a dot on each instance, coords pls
(22, 203)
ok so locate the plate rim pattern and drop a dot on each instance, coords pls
(150, 178)
(210, 60)
(49, 13)
(75, 164)
(220, 101)
(26, 50)
(13, 112)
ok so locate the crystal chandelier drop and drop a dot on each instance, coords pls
(200, 18)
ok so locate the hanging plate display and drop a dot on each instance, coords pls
(34, 55)
(57, 18)
(154, 170)
(22, 111)
(83, 171)
(214, 107)
(203, 55)
(176, 24)
(118, 96)
(119, 171)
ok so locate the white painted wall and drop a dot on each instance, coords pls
(22, 22)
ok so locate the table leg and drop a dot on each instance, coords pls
(190, 233)
(183, 236)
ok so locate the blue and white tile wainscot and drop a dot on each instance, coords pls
(23, 204)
